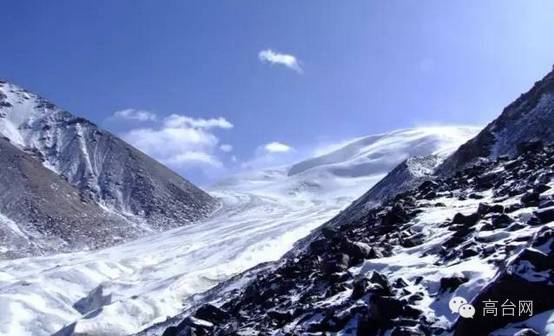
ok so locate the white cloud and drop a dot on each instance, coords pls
(276, 147)
(180, 141)
(226, 148)
(272, 57)
(177, 120)
(272, 154)
(132, 114)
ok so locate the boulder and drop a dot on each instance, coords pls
(356, 250)
(546, 215)
(468, 220)
(335, 263)
(450, 284)
(502, 221)
(530, 199)
(211, 313)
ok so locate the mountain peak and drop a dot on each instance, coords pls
(530, 116)
(101, 167)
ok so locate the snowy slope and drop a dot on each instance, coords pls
(354, 168)
(486, 233)
(102, 168)
(143, 282)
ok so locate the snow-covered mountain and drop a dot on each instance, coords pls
(104, 171)
(485, 234)
(126, 288)
(482, 229)
(351, 170)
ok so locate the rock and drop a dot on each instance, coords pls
(539, 260)
(487, 227)
(415, 297)
(546, 215)
(502, 221)
(171, 331)
(428, 186)
(93, 301)
(451, 283)
(524, 278)
(400, 283)
(380, 279)
(319, 246)
(388, 307)
(329, 232)
(530, 199)
(362, 286)
(370, 322)
(543, 237)
(469, 252)
(540, 188)
(546, 203)
(534, 146)
(336, 263)
(486, 181)
(430, 195)
(513, 207)
(469, 220)
(484, 208)
(397, 215)
(281, 317)
(356, 250)
(476, 196)
(211, 313)
(375, 253)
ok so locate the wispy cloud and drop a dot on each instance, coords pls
(137, 115)
(287, 60)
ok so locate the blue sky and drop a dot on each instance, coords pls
(211, 87)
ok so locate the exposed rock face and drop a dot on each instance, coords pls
(50, 213)
(407, 175)
(105, 171)
(395, 270)
(530, 117)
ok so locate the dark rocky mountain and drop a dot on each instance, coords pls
(528, 117)
(51, 215)
(105, 171)
(480, 227)
(408, 174)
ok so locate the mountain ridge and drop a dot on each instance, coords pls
(103, 168)
(479, 226)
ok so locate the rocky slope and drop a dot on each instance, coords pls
(528, 117)
(102, 169)
(50, 213)
(484, 233)
(479, 226)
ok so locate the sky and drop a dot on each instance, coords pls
(214, 87)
